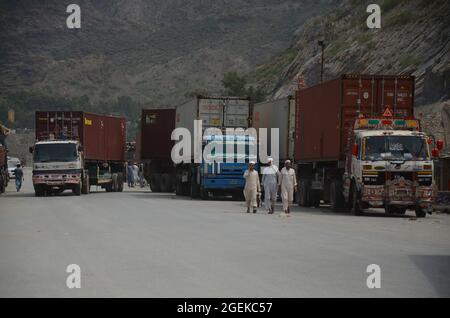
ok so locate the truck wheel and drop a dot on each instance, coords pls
(155, 182)
(178, 186)
(2, 184)
(204, 194)
(165, 183)
(86, 187)
(420, 213)
(120, 182)
(314, 197)
(355, 202)
(336, 196)
(303, 196)
(114, 183)
(77, 189)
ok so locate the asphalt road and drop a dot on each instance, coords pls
(140, 244)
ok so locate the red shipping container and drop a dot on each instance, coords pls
(325, 113)
(156, 130)
(103, 137)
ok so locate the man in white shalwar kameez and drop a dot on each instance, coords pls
(270, 185)
(288, 184)
(252, 187)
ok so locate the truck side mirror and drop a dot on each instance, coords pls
(440, 144)
(31, 149)
(80, 148)
(355, 150)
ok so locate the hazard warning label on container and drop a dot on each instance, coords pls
(387, 112)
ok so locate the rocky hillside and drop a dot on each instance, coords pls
(150, 50)
(413, 39)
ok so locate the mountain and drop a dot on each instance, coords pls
(154, 51)
(413, 40)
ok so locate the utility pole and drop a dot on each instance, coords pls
(322, 46)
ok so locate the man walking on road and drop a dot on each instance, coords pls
(288, 184)
(18, 173)
(252, 187)
(270, 185)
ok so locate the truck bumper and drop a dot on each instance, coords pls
(56, 179)
(378, 196)
(223, 184)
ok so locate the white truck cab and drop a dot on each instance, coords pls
(57, 166)
(390, 166)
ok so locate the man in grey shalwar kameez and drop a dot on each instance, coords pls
(270, 184)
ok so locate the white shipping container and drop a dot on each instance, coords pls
(277, 114)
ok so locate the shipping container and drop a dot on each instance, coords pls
(277, 114)
(326, 112)
(155, 141)
(220, 112)
(103, 137)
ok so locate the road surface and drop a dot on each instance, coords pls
(142, 244)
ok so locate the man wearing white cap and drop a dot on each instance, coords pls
(252, 187)
(288, 184)
(270, 185)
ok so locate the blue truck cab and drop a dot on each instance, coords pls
(222, 172)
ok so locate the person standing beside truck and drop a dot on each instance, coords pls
(288, 184)
(18, 174)
(252, 187)
(270, 185)
(130, 175)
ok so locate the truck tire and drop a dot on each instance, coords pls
(86, 186)
(39, 191)
(77, 189)
(314, 197)
(165, 182)
(2, 183)
(178, 185)
(336, 197)
(355, 201)
(114, 183)
(420, 213)
(155, 184)
(195, 187)
(120, 182)
(204, 195)
(303, 195)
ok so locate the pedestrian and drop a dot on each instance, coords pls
(18, 174)
(130, 175)
(288, 185)
(141, 175)
(270, 185)
(136, 173)
(252, 187)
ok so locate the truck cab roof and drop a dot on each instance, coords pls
(56, 142)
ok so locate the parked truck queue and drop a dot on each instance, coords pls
(354, 143)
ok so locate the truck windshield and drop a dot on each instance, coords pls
(55, 152)
(220, 152)
(395, 148)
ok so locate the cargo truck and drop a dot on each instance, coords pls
(190, 178)
(75, 150)
(358, 146)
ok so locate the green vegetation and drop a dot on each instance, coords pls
(363, 38)
(401, 19)
(389, 5)
(336, 46)
(268, 73)
(410, 60)
(236, 85)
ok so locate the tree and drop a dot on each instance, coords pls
(234, 84)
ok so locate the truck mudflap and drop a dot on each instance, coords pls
(400, 195)
(56, 179)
